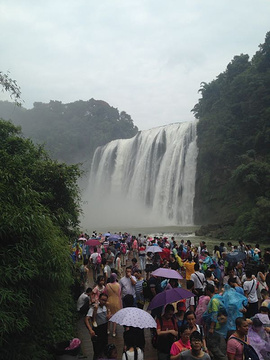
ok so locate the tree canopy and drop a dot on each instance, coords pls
(71, 132)
(233, 171)
(39, 213)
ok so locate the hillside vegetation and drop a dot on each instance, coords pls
(233, 170)
(71, 132)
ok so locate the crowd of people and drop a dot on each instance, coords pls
(227, 316)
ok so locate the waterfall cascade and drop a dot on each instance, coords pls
(148, 180)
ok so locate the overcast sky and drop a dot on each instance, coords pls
(146, 57)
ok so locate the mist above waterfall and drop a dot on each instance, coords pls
(148, 180)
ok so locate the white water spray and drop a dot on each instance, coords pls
(148, 180)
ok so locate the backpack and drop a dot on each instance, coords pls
(98, 259)
(146, 290)
(249, 352)
(123, 248)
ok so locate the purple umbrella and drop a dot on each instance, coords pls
(92, 242)
(167, 273)
(114, 237)
(169, 296)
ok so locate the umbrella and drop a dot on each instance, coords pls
(114, 237)
(235, 256)
(92, 242)
(107, 234)
(132, 316)
(82, 238)
(153, 249)
(167, 273)
(169, 296)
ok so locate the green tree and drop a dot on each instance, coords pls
(39, 209)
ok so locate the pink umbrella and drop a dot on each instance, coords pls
(167, 273)
(92, 242)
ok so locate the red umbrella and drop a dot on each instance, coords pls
(92, 242)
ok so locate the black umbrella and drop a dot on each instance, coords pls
(235, 256)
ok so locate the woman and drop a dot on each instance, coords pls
(132, 352)
(182, 344)
(216, 254)
(113, 290)
(190, 319)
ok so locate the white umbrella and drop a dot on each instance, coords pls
(153, 249)
(132, 316)
(82, 238)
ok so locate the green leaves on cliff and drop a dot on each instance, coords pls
(234, 140)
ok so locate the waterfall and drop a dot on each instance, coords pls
(148, 180)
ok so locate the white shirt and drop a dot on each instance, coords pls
(82, 300)
(199, 280)
(250, 287)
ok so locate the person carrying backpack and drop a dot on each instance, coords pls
(167, 332)
(237, 345)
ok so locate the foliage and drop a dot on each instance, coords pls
(71, 132)
(39, 209)
(11, 87)
(233, 172)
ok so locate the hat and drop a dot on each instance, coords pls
(256, 250)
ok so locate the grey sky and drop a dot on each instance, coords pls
(146, 57)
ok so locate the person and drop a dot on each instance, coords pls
(95, 264)
(110, 352)
(98, 289)
(99, 314)
(83, 302)
(259, 338)
(180, 314)
(167, 332)
(110, 258)
(134, 266)
(135, 247)
(182, 344)
(250, 291)
(106, 270)
(113, 290)
(199, 280)
(190, 319)
(201, 308)
(196, 352)
(189, 266)
(132, 350)
(139, 289)
(127, 284)
(235, 349)
(142, 253)
(216, 343)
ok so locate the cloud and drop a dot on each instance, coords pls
(145, 57)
